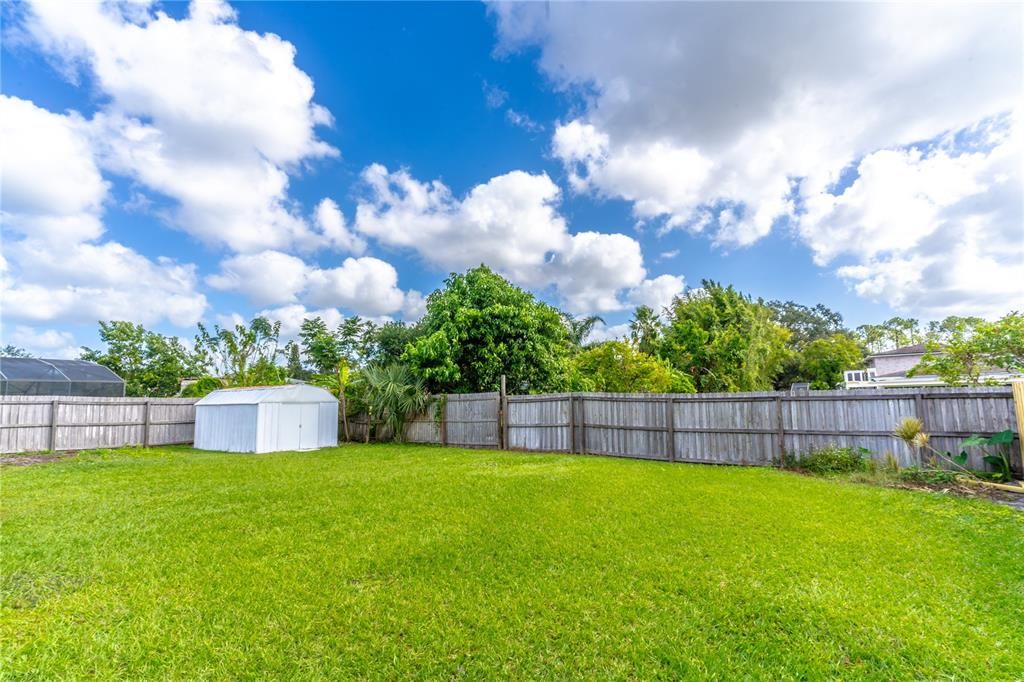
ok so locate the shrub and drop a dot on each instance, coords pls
(833, 459)
(202, 387)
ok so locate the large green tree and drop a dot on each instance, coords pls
(388, 342)
(246, 354)
(579, 328)
(893, 333)
(618, 367)
(823, 361)
(328, 353)
(478, 327)
(724, 340)
(645, 330)
(815, 328)
(321, 349)
(151, 364)
(806, 323)
(962, 349)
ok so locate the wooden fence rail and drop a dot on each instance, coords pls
(723, 428)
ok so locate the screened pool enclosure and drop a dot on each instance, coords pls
(36, 376)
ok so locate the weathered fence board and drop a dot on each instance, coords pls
(35, 423)
(755, 428)
(471, 420)
(468, 420)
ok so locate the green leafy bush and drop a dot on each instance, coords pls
(202, 387)
(833, 459)
(995, 452)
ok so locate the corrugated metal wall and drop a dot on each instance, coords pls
(230, 428)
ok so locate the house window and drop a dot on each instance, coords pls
(859, 375)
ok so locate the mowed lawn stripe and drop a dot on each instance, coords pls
(384, 561)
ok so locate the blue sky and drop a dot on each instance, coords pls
(596, 162)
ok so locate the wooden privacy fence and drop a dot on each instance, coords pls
(468, 420)
(754, 428)
(34, 423)
(722, 428)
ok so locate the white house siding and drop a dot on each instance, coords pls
(228, 428)
(895, 363)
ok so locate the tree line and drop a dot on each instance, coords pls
(478, 327)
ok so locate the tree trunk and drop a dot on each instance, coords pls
(344, 405)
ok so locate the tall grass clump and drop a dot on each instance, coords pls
(833, 459)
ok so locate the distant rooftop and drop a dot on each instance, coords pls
(916, 349)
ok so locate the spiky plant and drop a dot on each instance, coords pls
(908, 430)
(911, 431)
(393, 395)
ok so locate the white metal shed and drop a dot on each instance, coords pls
(267, 419)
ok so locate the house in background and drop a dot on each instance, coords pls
(888, 369)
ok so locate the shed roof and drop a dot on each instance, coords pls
(252, 395)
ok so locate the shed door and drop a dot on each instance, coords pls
(289, 423)
(308, 426)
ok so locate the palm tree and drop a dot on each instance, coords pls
(645, 330)
(393, 394)
(579, 328)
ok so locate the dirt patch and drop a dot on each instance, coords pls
(992, 494)
(25, 459)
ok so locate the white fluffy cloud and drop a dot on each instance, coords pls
(57, 267)
(510, 223)
(960, 246)
(47, 343)
(267, 277)
(725, 118)
(331, 222)
(366, 285)
(657, 293)
(52, 189)
(88, 282)
(291, 317)
(199, 110)
(593, 268)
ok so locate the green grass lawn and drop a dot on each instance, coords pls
(377, 561)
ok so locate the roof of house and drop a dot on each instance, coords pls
(251, 395)
(916, 349)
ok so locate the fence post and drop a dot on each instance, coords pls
(919, 413)
(583, 424)
(782, 431)
(503, 417)
(54, 406)
(146, 423)
(444, 421)
(1018, 406)
(572, 424)
(670, 419)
